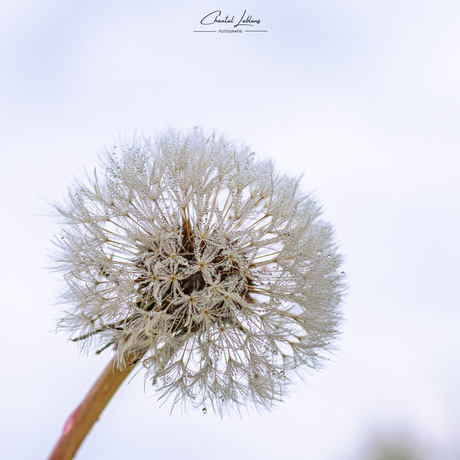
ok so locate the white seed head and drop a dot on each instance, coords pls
(208, 266)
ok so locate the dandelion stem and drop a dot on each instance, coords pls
(81, 421)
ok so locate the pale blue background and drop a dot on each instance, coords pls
(362, 96)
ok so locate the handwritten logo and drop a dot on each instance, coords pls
(217, 18)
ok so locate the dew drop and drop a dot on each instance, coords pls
(319, 251)
(205, 410)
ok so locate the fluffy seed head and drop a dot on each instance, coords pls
(188, 254)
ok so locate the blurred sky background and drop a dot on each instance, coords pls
(363, 97)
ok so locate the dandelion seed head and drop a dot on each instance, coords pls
(203, 263)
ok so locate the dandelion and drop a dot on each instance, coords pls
(204, 264)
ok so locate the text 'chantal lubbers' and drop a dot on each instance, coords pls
(216, 18)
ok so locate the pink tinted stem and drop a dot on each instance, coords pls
(87, 413)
